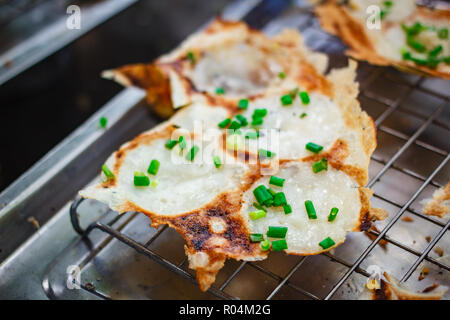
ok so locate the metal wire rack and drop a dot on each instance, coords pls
(403, 87)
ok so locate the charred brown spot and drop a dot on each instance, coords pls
(382, 293)
(366, 222)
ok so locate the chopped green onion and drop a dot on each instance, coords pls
(191, 57)
(279, 199)
(220, 90)
(310, 210)
(191, 155)
(170, 144)
(234, 125)
(320, 165)
(327, 243)
(415, 44)
(217, 161)
(257, 121)
(443, 33)
(262, 195)
(242, 120)
(311, 146)
(279, 245)
(333, 214)
(265, 245)
(265, 153)
(286, 100)
(258, 206)
(388, 4)
(258, 214)
(446, 60)
(276, 181)
(252, 135)
(269, 203)
(259, 113)
(287, 209)
(303, 115)
(182, 142)
(383, 14)
(141, 180)
(272, 192)
(154, 166)
(154, 183)
(277, 232)
(256, 237)
(304, 96)
(103, 122)
(243, 104)
(435, 51)
(281, 75)
(224, 123)
(108, 173)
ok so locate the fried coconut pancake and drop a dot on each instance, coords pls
(280, 153)
(409, 37)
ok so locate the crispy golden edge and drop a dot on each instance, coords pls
(335, 19)
(436, 206)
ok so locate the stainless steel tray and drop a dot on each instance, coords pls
(124, 258)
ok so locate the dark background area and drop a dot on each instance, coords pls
(44, 104)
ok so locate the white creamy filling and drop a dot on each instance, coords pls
(326, 190)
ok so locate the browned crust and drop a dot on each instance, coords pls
(336, 157)
(436, 205)
(335, 19)
(391, 290)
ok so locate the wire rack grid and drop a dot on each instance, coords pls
(390, 104)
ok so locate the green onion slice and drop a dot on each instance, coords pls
(217, 161)
(276, 181)
(258, 214)
(279, 245)
(243, 104)
(277, 232)
(262, 195)
(303, 115)
(327, 243)
(182, 142)
(170, 144)
(333, 214)
(141, 180)
(287, 209)
(320, 165)
(311, 146)
(258, 206)
(265, 153)
(259, 113)
(304, 96)
(103, 122)
(252, 134)
(191, 57)
(310, 210)
(220, 90)
(154, 166)
(191, 154)
(265, 245)
(256, 237)
(108, 173)
(286, 100)
(281, 75)
(443, 33)
(243, 120)
(224, 123)
(279, 199)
